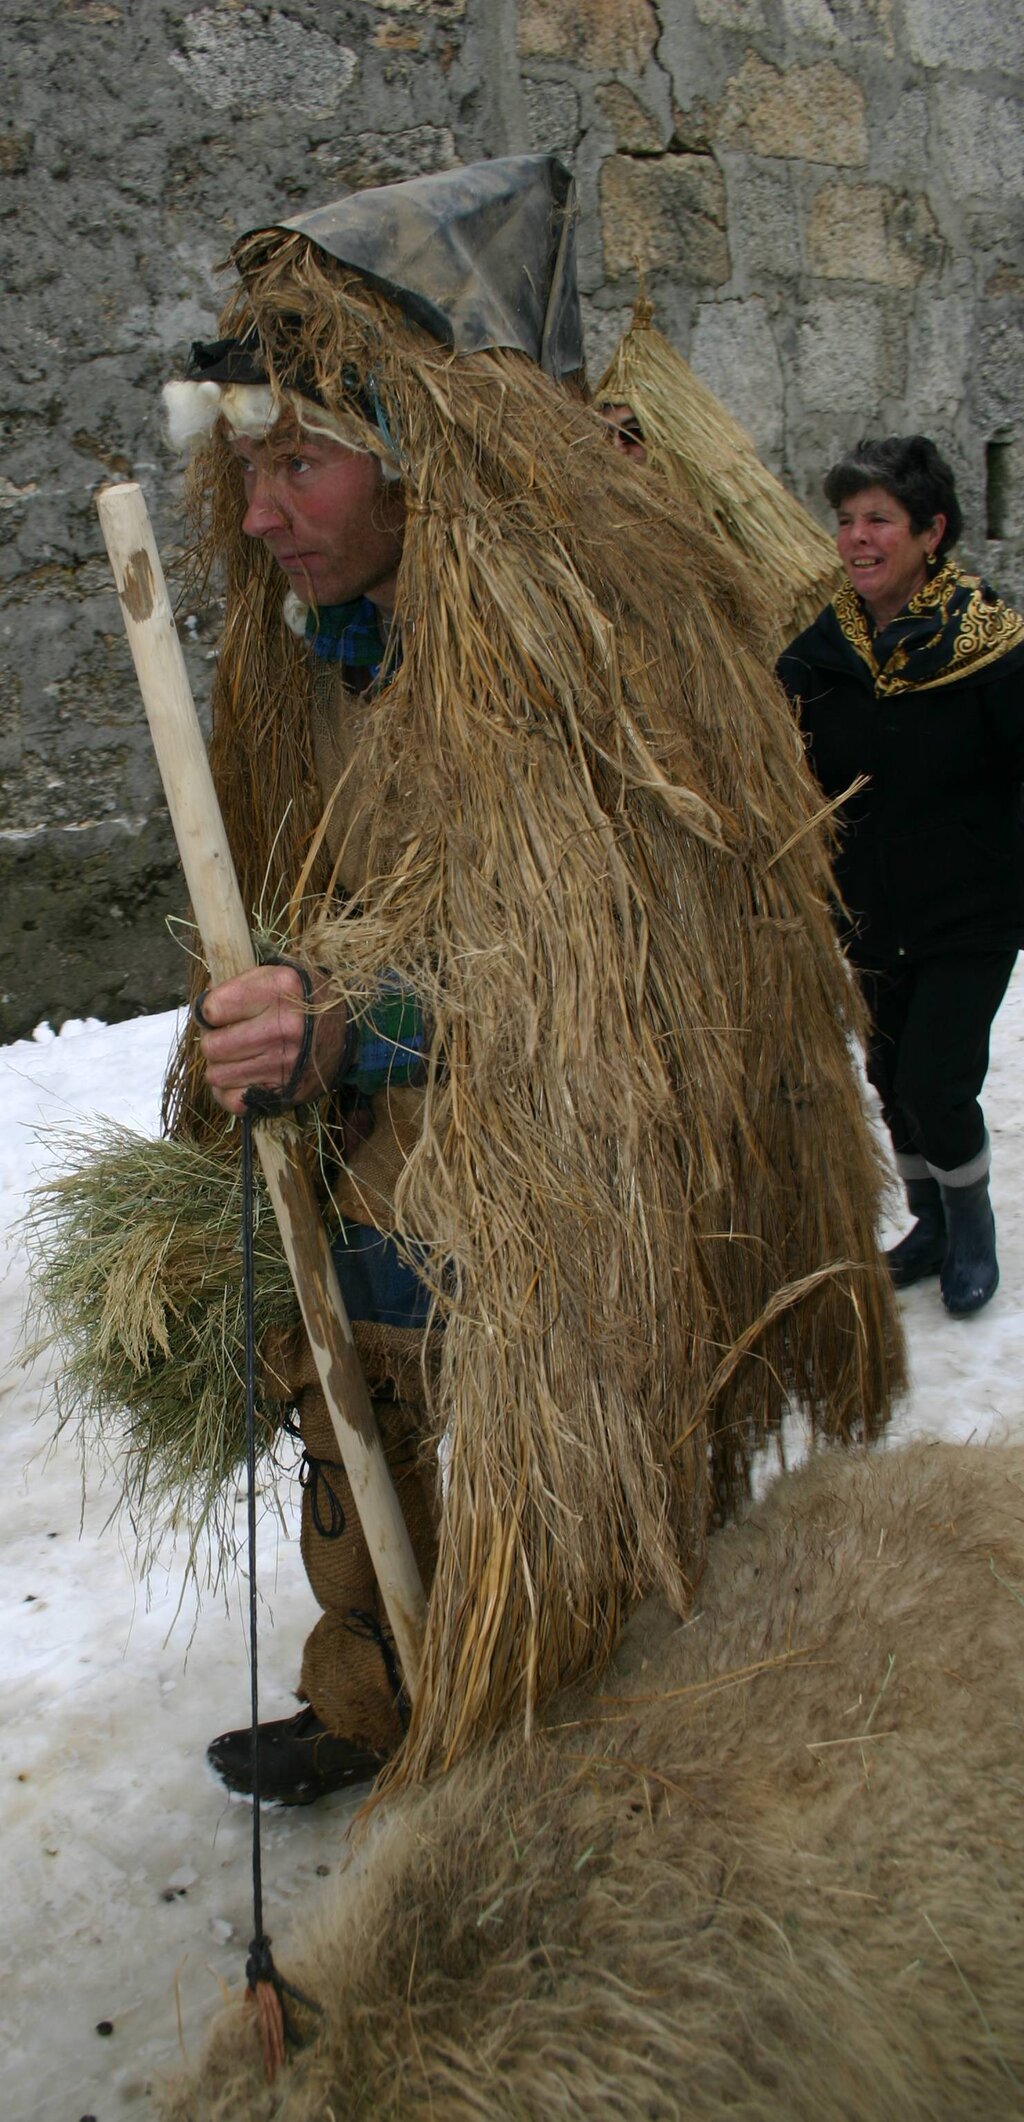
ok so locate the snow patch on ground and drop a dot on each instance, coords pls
(127, 1867)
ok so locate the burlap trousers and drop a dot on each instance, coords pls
(349, 1671)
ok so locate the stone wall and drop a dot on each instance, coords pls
(826, 194)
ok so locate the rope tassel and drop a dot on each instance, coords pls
(266, 1987)
(263, 1988)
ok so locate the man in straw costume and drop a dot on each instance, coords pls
(489, 720)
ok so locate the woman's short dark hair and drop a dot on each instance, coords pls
(912, 470)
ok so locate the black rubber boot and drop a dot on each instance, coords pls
(299, 1760)
(970, 1271)
(923, 1250)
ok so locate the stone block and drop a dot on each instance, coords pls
(15, 153)
(693, 129)
(939, 361)
(602, 330)
(441, 10)
(850, 356)
(396, 37)
(243, 62)
(765, 218)
(969, 38)
(865, 232)
(552, 116)
(997, 372)
(879, 28)
(636, 129)
(899, 138)
(388, 158)
(979, 145)
(746, 15)
(668, 210)
(809, 113)
(734, 353)
(612, 34)
(811, 19)
(1006, 280)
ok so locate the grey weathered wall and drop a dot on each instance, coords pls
(826, 192)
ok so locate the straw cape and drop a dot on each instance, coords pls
(710, 462)
(643, 1181)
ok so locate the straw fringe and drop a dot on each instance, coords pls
(710, 462)
(136, 1284)
(593, 857)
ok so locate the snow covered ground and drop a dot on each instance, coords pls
(127, 1868)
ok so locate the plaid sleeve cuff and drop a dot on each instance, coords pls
(385, 1045)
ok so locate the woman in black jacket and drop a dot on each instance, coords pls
(913, 677)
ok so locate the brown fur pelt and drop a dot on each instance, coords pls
(773, 1873)
(644, 1174)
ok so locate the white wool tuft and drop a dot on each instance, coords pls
(295, 613)
(249, 408)
(190, 410)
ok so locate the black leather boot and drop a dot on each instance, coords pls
(299, 1760)
(923, 1250)
(970, 1271)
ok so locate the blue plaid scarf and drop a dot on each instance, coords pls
(353, 635)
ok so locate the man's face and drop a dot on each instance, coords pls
(627, 433)
(332, 522)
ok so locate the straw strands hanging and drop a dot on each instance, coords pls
(711, 464)
(137, 1282)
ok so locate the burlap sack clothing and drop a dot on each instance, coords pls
(348, 1669)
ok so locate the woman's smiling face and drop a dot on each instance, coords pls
(883, 556)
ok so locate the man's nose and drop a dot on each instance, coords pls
(264, 513)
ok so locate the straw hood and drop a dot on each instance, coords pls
(482, 256)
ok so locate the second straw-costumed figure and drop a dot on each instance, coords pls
(576, 835)
(713, 468)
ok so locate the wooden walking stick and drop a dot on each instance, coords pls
(227, 945)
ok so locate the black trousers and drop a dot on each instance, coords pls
(928, 1050)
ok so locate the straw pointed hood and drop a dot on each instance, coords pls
(710, 461)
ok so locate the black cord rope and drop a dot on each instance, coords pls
(248, 1307)
(324, 1502)
(259, 1966)
(366, 1625)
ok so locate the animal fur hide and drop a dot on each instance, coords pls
(772, 1872)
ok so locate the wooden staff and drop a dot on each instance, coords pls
(227, 943)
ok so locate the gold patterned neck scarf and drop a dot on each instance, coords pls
(952, 627)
